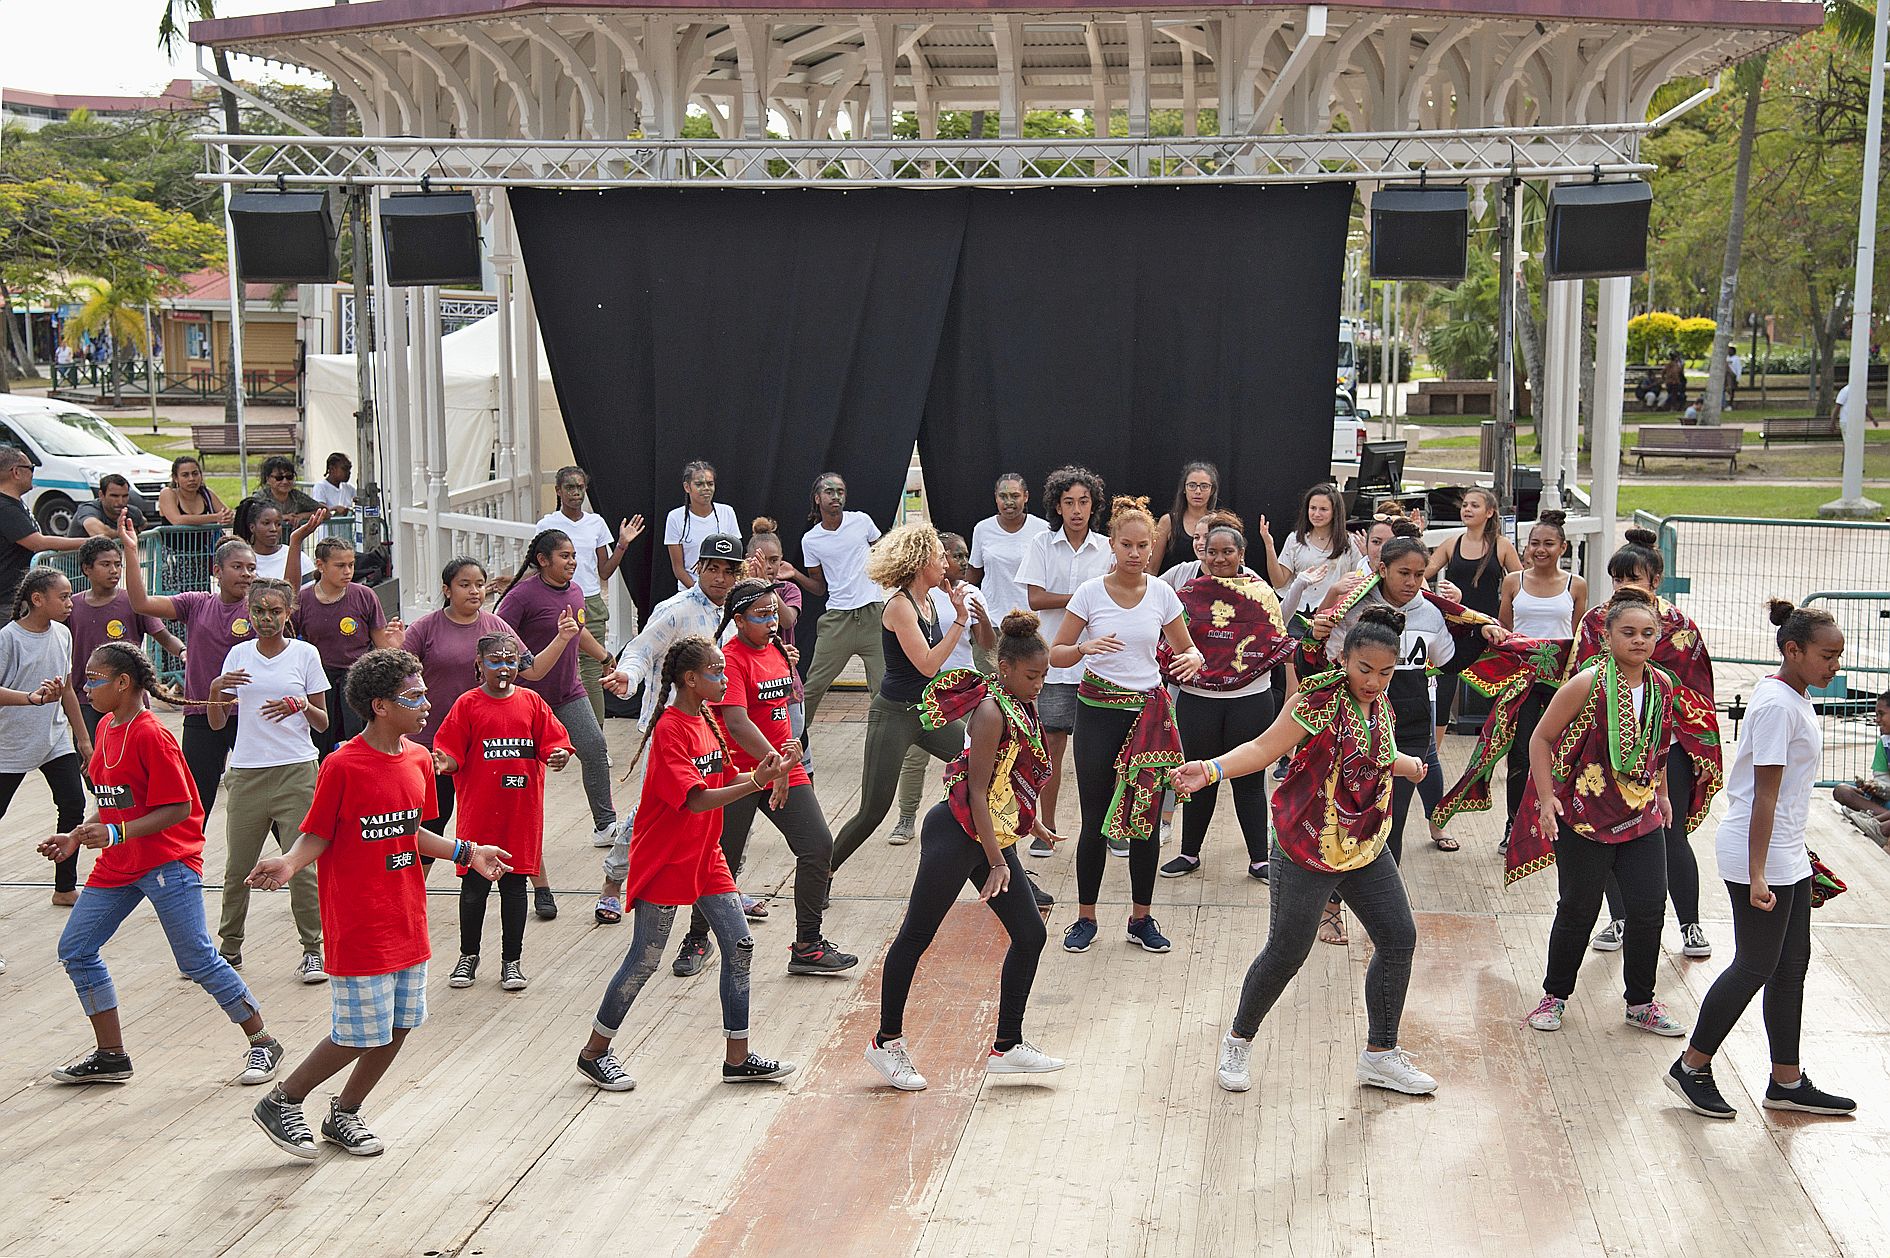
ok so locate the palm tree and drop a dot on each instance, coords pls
(111, 310)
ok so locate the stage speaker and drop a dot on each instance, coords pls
(430, 238)
(1420, 233)
(285, 237)
(1597, 230)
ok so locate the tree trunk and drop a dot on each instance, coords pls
(1729, 269)
(232, 125)
(1826, 324)
(1529, 332)
(976, 130)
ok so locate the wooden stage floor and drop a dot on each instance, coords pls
(1534, 1144)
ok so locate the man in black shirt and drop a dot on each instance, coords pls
(99, 518)
(20, 538)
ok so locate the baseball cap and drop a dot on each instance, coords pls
(720, 546)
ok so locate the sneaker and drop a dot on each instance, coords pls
(1257, 870)
(465, 972)
(1118, 847)
(1022, 1058)
(1806, 1098)
(1611, 937)
(281, 1120)
(545, 904)
(311, 971)
(97, 1066)
(606, 1072)
(1232, 1073)
(1693, 941)
(1866, 824)
(895, 1065)
(512, 977)
(1394, 1071)
(606, 836)
(1144, 931)
(902, 831)
(1181, 866)
(1162, 834)
(1279, 770)
(1547, 1015)
(692, 956)
(260, 1063)
(819, 957)
(756, 1070)
(345, 1128)
(1080, 935)
(1043, 898)
(1653, 1016)
(1041, 847)
(1697, 1089)
(235, 959)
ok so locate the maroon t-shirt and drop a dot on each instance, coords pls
(343, 631)
(211, 628)
(449, 654)
(531, 607)
(92, 627)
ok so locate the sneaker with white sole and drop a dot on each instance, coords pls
(902, 831)
(606, 836)
(1693, 941)
(464, 972)
(1547, 1015)
(261, 1061)
(1041, 848)
(895, 1065)
(1611, 937)
(1118, 847)
(1653, 1016)
(1022, 1058)
(1393, 1070)
(605, 1071)
(1144, 931)
(97, 1066)
(1180, 866)
(1236, 1055)
(1866, 824)
(756, 1069)
(345, 1128)
(1697, 1089)
(310, 970)
(512, 977)
(282, 1121)
(1806, 1097)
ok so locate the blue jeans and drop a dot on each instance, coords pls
(176, 892)
(651, 932)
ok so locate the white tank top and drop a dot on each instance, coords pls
(1552, 617)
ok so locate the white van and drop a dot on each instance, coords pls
(71, 449)
(1347, 379)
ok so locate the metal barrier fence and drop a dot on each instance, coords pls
(1847, 708)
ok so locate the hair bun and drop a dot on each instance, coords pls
(1555, 519)
(1779, 610)
(1379, 614)
(763, 524)
(1019, 624)
(1640, 537)
(1124, 502)
(1630, 594)
(1403, 527)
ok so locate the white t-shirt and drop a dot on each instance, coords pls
(1301, 558)
(334, 497)
(587, 533)
(297, 670)
(1781, 728)
(942, 605)
(840, 554)
(1138, 627)
(998, 555)
(1054, 567)
(275, 566)
(686, 529)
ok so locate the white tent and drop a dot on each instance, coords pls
(470, 370)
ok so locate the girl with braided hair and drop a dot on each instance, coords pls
(40, 726)
(675, 859)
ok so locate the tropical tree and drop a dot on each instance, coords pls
(118, 312)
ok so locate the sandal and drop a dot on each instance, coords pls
(609, 910)
(1332, 925)
(1443, 842)
(754, 910)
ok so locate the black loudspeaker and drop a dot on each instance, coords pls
(285, 237)
(430, 238)
(1597, 230)
(1420, 233)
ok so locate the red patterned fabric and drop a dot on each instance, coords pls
(1021, 769)
(1504, 675)
(1332, 810)
(1148, 756)
(1236, 623)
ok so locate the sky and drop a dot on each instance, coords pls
(107, 47)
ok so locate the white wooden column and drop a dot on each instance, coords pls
(1572, 429)
(436, 485)
(1610, 368)
(1555, 396)
(504, 262)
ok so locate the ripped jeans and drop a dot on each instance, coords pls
(648, 937)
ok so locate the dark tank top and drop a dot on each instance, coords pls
(903, 682)
(1484, 596)
(1180, 546)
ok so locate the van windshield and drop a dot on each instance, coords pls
(72, 434)
(1345, 353)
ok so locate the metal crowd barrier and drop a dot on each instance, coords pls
(1847, 708)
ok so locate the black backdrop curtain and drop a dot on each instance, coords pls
(782, 333)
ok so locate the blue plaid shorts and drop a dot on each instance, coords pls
(368, 1008)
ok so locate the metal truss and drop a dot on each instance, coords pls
(1486, 153)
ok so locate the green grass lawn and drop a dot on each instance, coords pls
(1765, 502)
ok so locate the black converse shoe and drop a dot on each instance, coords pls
(512, 977)
(97, 1066)
(1806, 1098)
(281, 1120)
(260, 1063)
(465, 972)
(756, 1070)
(345, 1128)
(545, 904)
(606, 1072)
(1697, 1089)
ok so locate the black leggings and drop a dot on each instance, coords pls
(1422, 743)
(1516, 763)
(1773, 951)
(1582, 867)
(343, 722)
(1098, 737)
(804, 826)
(473, 890)
(949, 859)
(1683, 872)
(68, 791)
(206, 751)
(1213, 727)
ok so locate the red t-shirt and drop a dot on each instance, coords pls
(761, 680)
(501, 746)
(136, 769)
(369, 806)
(675, 854)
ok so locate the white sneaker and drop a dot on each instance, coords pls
(895, 1066)
(1394, 1070)
(1235, 1055)
(1024, 1058)
(1610, 937)
(1866, 824)
(606, 836)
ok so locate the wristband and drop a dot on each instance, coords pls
(114, 834)
(462, 852)
(1215, 772)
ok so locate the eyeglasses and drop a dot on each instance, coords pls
(413, 704)
(1202, 485)
(283, 476)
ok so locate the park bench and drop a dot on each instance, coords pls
(269, 438)
(1801, 428)
(1681, 442)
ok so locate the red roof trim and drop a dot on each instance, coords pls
(176, 96)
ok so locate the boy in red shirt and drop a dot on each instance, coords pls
(363, 826)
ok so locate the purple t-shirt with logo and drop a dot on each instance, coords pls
(531, 607)
(92, 627)
(343, 631)
(211, 627)
(449, 654)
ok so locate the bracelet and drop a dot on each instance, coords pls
(1215, 772)
(114, 834)
(462, 852)
(755, 781)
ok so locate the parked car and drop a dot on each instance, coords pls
(71, 449)
(1349, 433)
